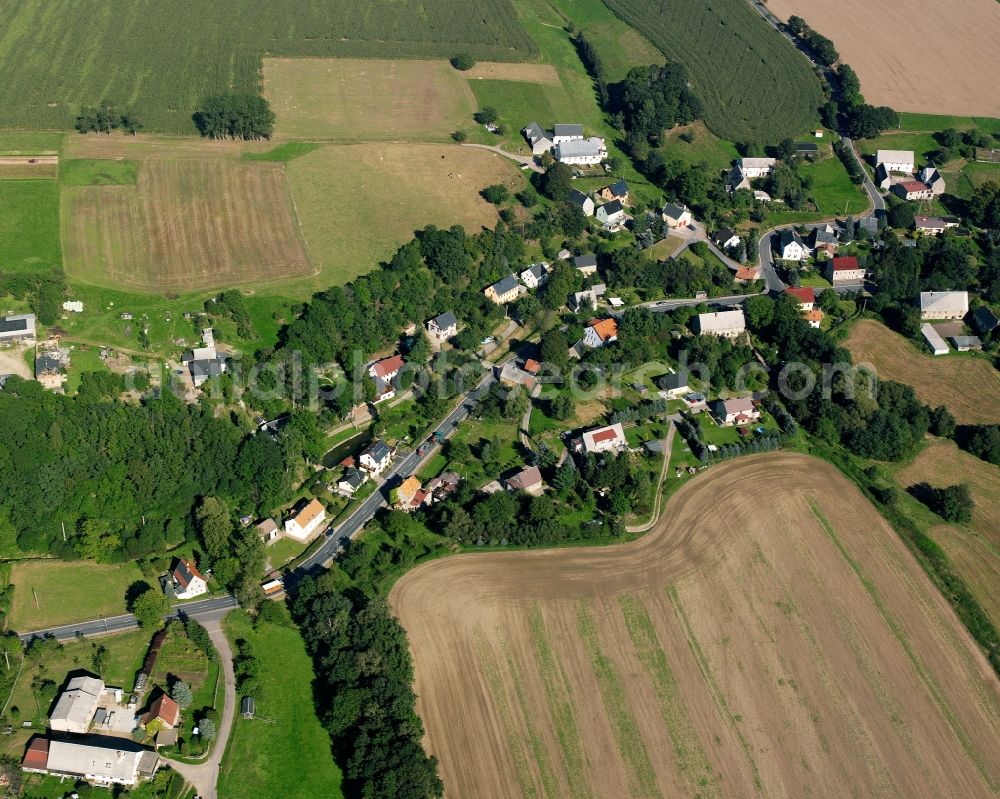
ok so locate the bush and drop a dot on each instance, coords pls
(459, 136)
(237, 116)
(496, 194)
(462, 61)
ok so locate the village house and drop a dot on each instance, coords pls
(268, 531)
(375, 457)
(535, 275)
(306, 521)
(944, 304)
(17, 329)
(616, 191)
(984, 320)
(586, 265)
(599, 332)
(587, 299)
(443, 327)
(529, 480)
(736, 411)
(505, 290)
(441, 487)
(746, 169)
(98, 759)
(163, 710)
(882, 177)
(724, 238)
(676, 216)
(728, 324)
(563, 132)
(814, 317)
(933, 180)
(611, 214)
(409, 496)
(511, 375)
(582, 151)
(696, 402)
(188, 581)
(581, 201)
(674, 385)
(540, 140)
(601, 439)
(896, 160)
(911, 190)
(746, 274)
(77, 704)
(205, 362)
(382, 373)
(844, 269)
(352, 479)
(804, 296)
(825, 238)
(791, 247)
(966, 343)
(50, 369)
(934, 225)
(935, 342)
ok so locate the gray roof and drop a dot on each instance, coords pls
(204, 367)
(17, 323)
(579, 148)
(619, 188)
(534, 132)
(113, 759)
(613, 207)
(824, 237)
(869, 223)
(378, 450)
(673, 381)
(984, 319)
(584, 260)
(445, 320)
(504, 285)
(722, 235)
(47, 363)
(673, 210)
(567, 130)
(966, 341)
(538, 270)
(353, 477)
(806, 147)
(788, 235)
(578, 198)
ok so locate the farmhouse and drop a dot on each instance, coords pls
(616, 191)
(746, 169)
(587, 299)
(882, 177)
(944, 304)
(77, 705)
(94, 758)
(912, 190)
(50, 369)
(375, 457)
(268, 531)
(17, 328)
(383, 372)
(984, 320)
(535, 275)
(934, 225)
(676, 216)
(933, 180)
(804, 296)
(443, 327)
(813, 317)
(581, 201)
(164, 710)
(825, 238)
(791, 247)
(725, 238)
(586, 265)
(409, 496)
(540, 140)
(306, 520)
(512, 375)
(736, 411)
(728, 324)
(966, 343)
(745, 274)
(896, 160)
(352, 479)
(674, 385)
(600, 332)
(844, 269)
(204, 362)
(529, 480)
(934, 340)
(581, 151)
(611, 214)
(188, 581)
(441, 487)
(505, 290)
(602, 439)
(562, 133)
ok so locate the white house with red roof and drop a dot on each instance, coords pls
(735, 411)
(383, 372)
(804, 296)
(599, 332)
(188, 581)
(844, 269)
(913, 190)
(602, 439)
(305, 521)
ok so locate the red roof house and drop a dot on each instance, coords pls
(165, 709)
(804, 295)
(36, 758)
(388, 366)
(845, 263)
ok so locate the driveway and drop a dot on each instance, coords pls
(204, 776)
(523, 160)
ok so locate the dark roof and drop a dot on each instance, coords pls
(984, 319)
(353, 477)
(11, 325)
(537, 270)
(869, 223)
(535, 131)
(722, 235)
(673, 210)
(567, 130)
(613, 207)
(46, 363)
(378, 450)
(445, 320)
(788, 235)
(206, 367)
(247, 705)
(584, 260)
(674, 381)
(806, 147)
(578, 198)
(824, 237)
(619, 188)
(505, 285)
(185, 571)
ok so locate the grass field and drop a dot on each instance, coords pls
(741, 648)
(165, 58)
(620, 46)
(967, 385)
(384, 193)
(975, 548)
(98, 172)
(284, 751)
(29, 225)
(67, 591)
(186, 225)
(753, 83)
(707, 148)
(832, 190)
(356, 100)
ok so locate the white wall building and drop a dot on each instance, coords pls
(728, 324)
(306, 521)
(604, 439)
(562, 133)
(581, 151)
(896, 160)
(944, 304)
(77, 705)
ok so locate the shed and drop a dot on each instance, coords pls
(934, 341)
(247, 707)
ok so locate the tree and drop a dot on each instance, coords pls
(101, 659)
(208, 730)
(796, 25)
(900, 216)
(557, 182)
(215, 526)
(759, 311)
(462, 61)
(149, 608)
(866, 121)
(942, 422)
(459, 136)
(487, 115)
(496, 193)
(984, 205)
(555, 349)
(237, 116)
(181, 693)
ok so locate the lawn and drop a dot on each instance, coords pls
(519, 102)
(83, 358)
(283, 550)
(619, 46)
(386, 192)
(832, 190)
(67, 591)
(98, 172)
(433, 467)
(283, 751)
(361, 100)
(665, 248)
(706, 147)
(29, 225)
(23, 142)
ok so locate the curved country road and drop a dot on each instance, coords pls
(204, 776)
(523, 160)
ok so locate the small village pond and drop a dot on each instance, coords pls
(345, 448)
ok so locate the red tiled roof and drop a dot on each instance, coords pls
(165, 709)
(746, 273)
(388, 365)
(37, 755)
(184, 568)
(803, 294)
(605, 435)
(845, 262)
(348, 461)
(531, 366)
(913, 185)
(815, 315)
(605, 328)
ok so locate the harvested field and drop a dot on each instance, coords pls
(16, 167)
(976, 551)
(187, 225)
(358, 100)
(770, 635)
(144, 146)
(967, 385)
(358, 203)
(498, 70)
(909, 55)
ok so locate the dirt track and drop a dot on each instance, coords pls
(747, 646)
(914, 55)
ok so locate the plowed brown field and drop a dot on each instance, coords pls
(967, 386)
(914, 55)
(770, 637)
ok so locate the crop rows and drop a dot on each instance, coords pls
(753, 84)
(162, 59)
